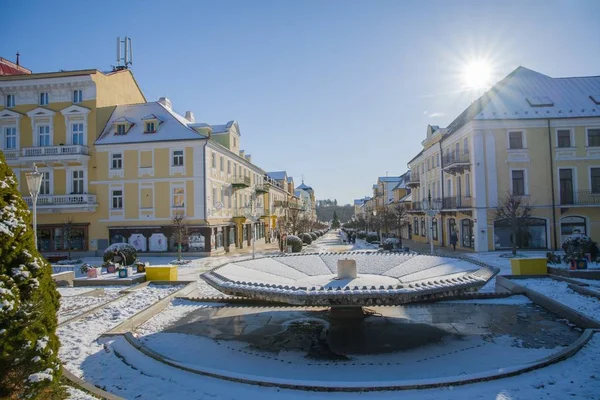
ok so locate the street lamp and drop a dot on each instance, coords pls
(431, 211)
(34, 183)
(252, 215)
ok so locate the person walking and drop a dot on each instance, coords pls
(453, 239)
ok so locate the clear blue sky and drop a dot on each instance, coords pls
(339, 91)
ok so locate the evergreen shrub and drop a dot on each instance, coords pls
(123, 249)
(295, 242)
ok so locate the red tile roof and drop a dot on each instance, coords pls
(10, 68)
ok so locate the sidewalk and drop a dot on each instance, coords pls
(426, 248)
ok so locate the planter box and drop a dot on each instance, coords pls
(125, 272)
(529, 266)
(140, 268)
(161, 273)
(111, 268)
(94, 272)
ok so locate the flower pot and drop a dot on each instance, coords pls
(111, 268)
(94, 272)
(582, 263)
(125, 272)
(141, 267)
(573, 265)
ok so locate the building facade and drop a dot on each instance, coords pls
(530, 136)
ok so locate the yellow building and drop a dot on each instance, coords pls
(53, 119)
(531, 136)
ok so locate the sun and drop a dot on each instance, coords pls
(477, 74)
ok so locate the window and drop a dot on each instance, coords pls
(178, 197)
(77, 133)
(178, 158)
(467, 233)
(10, 100)
(593, 136)
(214, 160)
(595, 177)
(120, 129)
(518, 182)
(43, 98)
(77, 96)
(434, 227)
(466, 145)
(77, 182)
(468, 185)
(117, 161)
(234, 142)
(428, 165)
(44, 135)
(222, 164)
(423, 228)
(10, 138)
(117, 199)
(229, 166)
(45, 188)
(563, 137)
(572, 225)
(515, 140)
(565, 177)
(532, 235)
(150, 127)
(214, 194)
(416, 225)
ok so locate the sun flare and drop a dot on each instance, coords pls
(477, 74)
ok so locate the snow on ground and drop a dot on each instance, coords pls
(559, 291)
(78, 338)
(77, 394)
(74, 302)
(512, 300)
(577, 377)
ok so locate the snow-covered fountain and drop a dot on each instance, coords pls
(349, 281)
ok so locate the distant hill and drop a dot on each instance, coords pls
(325, 209)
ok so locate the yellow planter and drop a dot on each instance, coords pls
(161, 273)
(529, 266)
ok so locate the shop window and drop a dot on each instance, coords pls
(467, 233)
(529, 236)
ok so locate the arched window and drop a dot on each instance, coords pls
(572, 225)
(532, 235)
(416, 225)
(423, 228)
(451, 227)
(434, 227)
(467, 233)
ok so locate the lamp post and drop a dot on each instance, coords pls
(431, 212)
(34, 183)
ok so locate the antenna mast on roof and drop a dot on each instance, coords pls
(124, 54)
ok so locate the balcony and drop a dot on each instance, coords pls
(240, 182)
(456, 162)
(416, 206)
(66, 153)
(11, 155)
(455, 203)
(143, 171)
(294, 205)
(262, 187)
(414, 181)
(585, 198)
(280, 204)
(64, 203)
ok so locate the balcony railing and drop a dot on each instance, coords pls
(240, 181)
(280, 203)
(262, 187)
(456, 161)
(62, 200)
(414, 180)
(580, 198)
(457, 202)
(294, 205)
(416, 206)
(41, 151)
(11, 154)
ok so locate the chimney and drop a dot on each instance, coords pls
(165, 102)
(190, 116)
(248, 158)
(242, 153)
(18, 55)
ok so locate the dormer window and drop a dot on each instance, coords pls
(121, 129)
(150, 127)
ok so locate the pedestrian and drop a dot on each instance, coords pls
(453, 239)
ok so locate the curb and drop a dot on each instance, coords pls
(565, 353)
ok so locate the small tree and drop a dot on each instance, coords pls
(400, 220)
(180, 230)
(516, 211)
(335, 222)
(67, 233)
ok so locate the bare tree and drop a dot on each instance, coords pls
(516, 212)
(67, 234)
(180, 230)
(400, 220)
(387, 220)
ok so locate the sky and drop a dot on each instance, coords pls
(336, 91)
